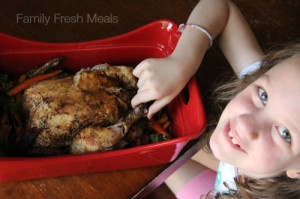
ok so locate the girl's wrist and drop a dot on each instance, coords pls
(186, 66)
(182, 27)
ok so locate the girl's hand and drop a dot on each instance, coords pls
(160, 80)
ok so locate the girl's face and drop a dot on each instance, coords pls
(259, 130)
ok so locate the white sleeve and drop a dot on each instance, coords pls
(251, 68)
(226, 173)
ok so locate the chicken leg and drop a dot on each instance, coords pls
(97, 138)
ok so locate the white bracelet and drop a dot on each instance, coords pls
(182, 27)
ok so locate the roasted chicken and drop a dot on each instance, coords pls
(89, 111)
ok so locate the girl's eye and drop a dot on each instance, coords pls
(285, 134)
(263, 95)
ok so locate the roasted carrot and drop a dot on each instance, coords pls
(158, 128)
(163, 119)
(166, 124)
(18, 88)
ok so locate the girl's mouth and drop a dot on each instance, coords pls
(233, 140)
(229, 136)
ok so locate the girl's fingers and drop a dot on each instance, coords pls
(158, 105)
(138, 70)
(141, 81)
(142, 96)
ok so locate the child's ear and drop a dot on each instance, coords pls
(293, 173)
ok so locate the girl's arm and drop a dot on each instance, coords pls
(206, 159)
(183, 176)
(162, 79)
(238, 42)
(194, 170)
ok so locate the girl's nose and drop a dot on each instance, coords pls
(248, 126)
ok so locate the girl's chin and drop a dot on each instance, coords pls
(215, 147)
(218, 148)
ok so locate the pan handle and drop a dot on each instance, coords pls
(158, 33)
(183, 112)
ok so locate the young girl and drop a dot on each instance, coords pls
(258, 132)
(266, 161)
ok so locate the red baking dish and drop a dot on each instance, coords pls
(157, 39)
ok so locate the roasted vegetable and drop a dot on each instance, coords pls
(158, 138)
(158, 128)
(5, 106)
(30, 81)
(50, 65)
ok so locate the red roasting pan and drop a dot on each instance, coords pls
(154, 40)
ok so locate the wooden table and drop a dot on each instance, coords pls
(275, 20)
(115, 184)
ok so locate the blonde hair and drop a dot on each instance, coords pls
(266, 188)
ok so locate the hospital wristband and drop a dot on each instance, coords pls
(182, 27)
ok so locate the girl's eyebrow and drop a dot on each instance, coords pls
(266, 79)
(264, 82)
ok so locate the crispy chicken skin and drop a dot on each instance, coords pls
(59, 108)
